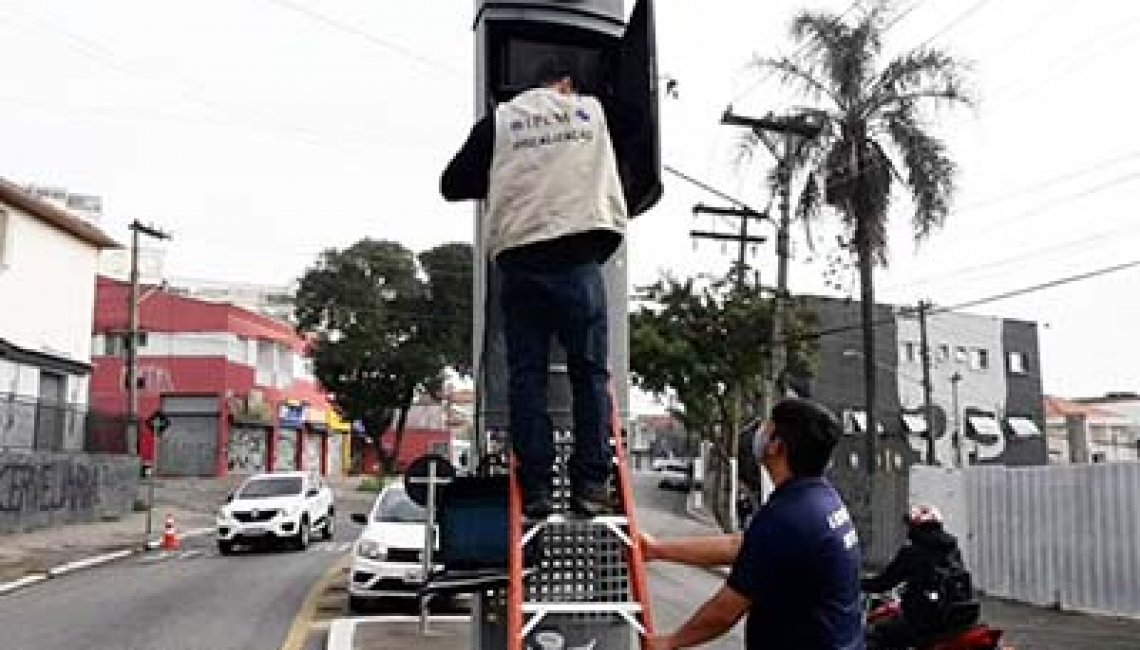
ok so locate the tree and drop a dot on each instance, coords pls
(450, 294)
(376, 335)
(874, 132)
(706, 345)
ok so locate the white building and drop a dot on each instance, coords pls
(1092, 430)
(48, 261)
(86, 206)
(272, 300)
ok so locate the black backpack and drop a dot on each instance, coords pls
(934, 597)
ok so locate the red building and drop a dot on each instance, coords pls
(236, 386)
(425, 432)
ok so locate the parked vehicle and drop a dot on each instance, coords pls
(387, 560)
(280, 506)
(676, 474)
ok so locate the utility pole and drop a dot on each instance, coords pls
(743, 239)
(927, 400)
(791, 128)
(133, 333)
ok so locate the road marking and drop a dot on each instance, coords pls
(189, 554)
(299, 630)
(9, 587)
(64, 569)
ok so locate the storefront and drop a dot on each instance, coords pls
(338, 441)
(251, 427)
(290, 422)
(313, 441)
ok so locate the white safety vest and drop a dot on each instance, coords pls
(553, 172)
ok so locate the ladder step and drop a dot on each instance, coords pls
(534, 607)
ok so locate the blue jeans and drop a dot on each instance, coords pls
(570, 304)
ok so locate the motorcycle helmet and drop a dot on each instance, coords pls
(923, 515)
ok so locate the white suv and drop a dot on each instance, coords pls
(276, 506)
(387, 560)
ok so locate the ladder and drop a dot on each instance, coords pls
(586, 587)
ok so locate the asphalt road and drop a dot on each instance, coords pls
(191, 599)
(675, 591)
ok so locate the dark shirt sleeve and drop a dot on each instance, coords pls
(466, 176)
(755, 561)
(897, 572)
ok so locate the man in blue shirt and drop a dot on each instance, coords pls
(795, 571)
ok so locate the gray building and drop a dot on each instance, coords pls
(985, 379)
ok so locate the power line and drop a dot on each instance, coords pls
(975, 303)
(1044, 285)
(973, 269)
(959, 19)
(191, 90)
(795, 53)
(347, 28)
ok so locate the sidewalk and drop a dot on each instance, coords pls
(192, 503)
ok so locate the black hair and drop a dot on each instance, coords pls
(555, 68)
(809, 431)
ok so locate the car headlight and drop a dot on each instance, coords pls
(371, 550)
(293, 511)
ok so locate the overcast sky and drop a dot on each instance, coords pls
(258, 134)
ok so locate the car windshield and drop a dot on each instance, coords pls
(278, 486)
(395, 506)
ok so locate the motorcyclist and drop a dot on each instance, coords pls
(937, 596)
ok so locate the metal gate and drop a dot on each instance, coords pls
(190, 446)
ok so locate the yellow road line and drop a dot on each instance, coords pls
(299, 630)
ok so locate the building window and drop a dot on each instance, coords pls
(113, 345)
(979, 359)
(909, 352)
(961, 354)
(1017, 363)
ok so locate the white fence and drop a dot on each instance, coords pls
(1065, 536)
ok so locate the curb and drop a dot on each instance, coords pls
(87, 563)
(342, 631)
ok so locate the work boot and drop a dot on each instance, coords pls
(592, 500)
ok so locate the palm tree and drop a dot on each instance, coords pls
(874, 137)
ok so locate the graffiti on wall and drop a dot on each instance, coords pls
(285, 452)
(47, 486)
(39, 489)
(312, 452)
(246, 452)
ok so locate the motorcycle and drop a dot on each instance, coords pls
(975, 636)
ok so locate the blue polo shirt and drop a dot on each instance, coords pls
(799, 565)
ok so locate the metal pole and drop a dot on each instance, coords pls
(927, 400)
(954, 379)
(777, 347)
(131, 345)
(429, 544)
(150, 489)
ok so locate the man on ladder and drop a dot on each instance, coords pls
(545, 163)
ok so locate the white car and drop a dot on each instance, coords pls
(387, 560)
(286, 506)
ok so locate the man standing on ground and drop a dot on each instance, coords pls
(545, 163)
(795, 571)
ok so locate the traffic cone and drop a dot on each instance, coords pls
(169, 535)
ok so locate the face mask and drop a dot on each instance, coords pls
(759, 442)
